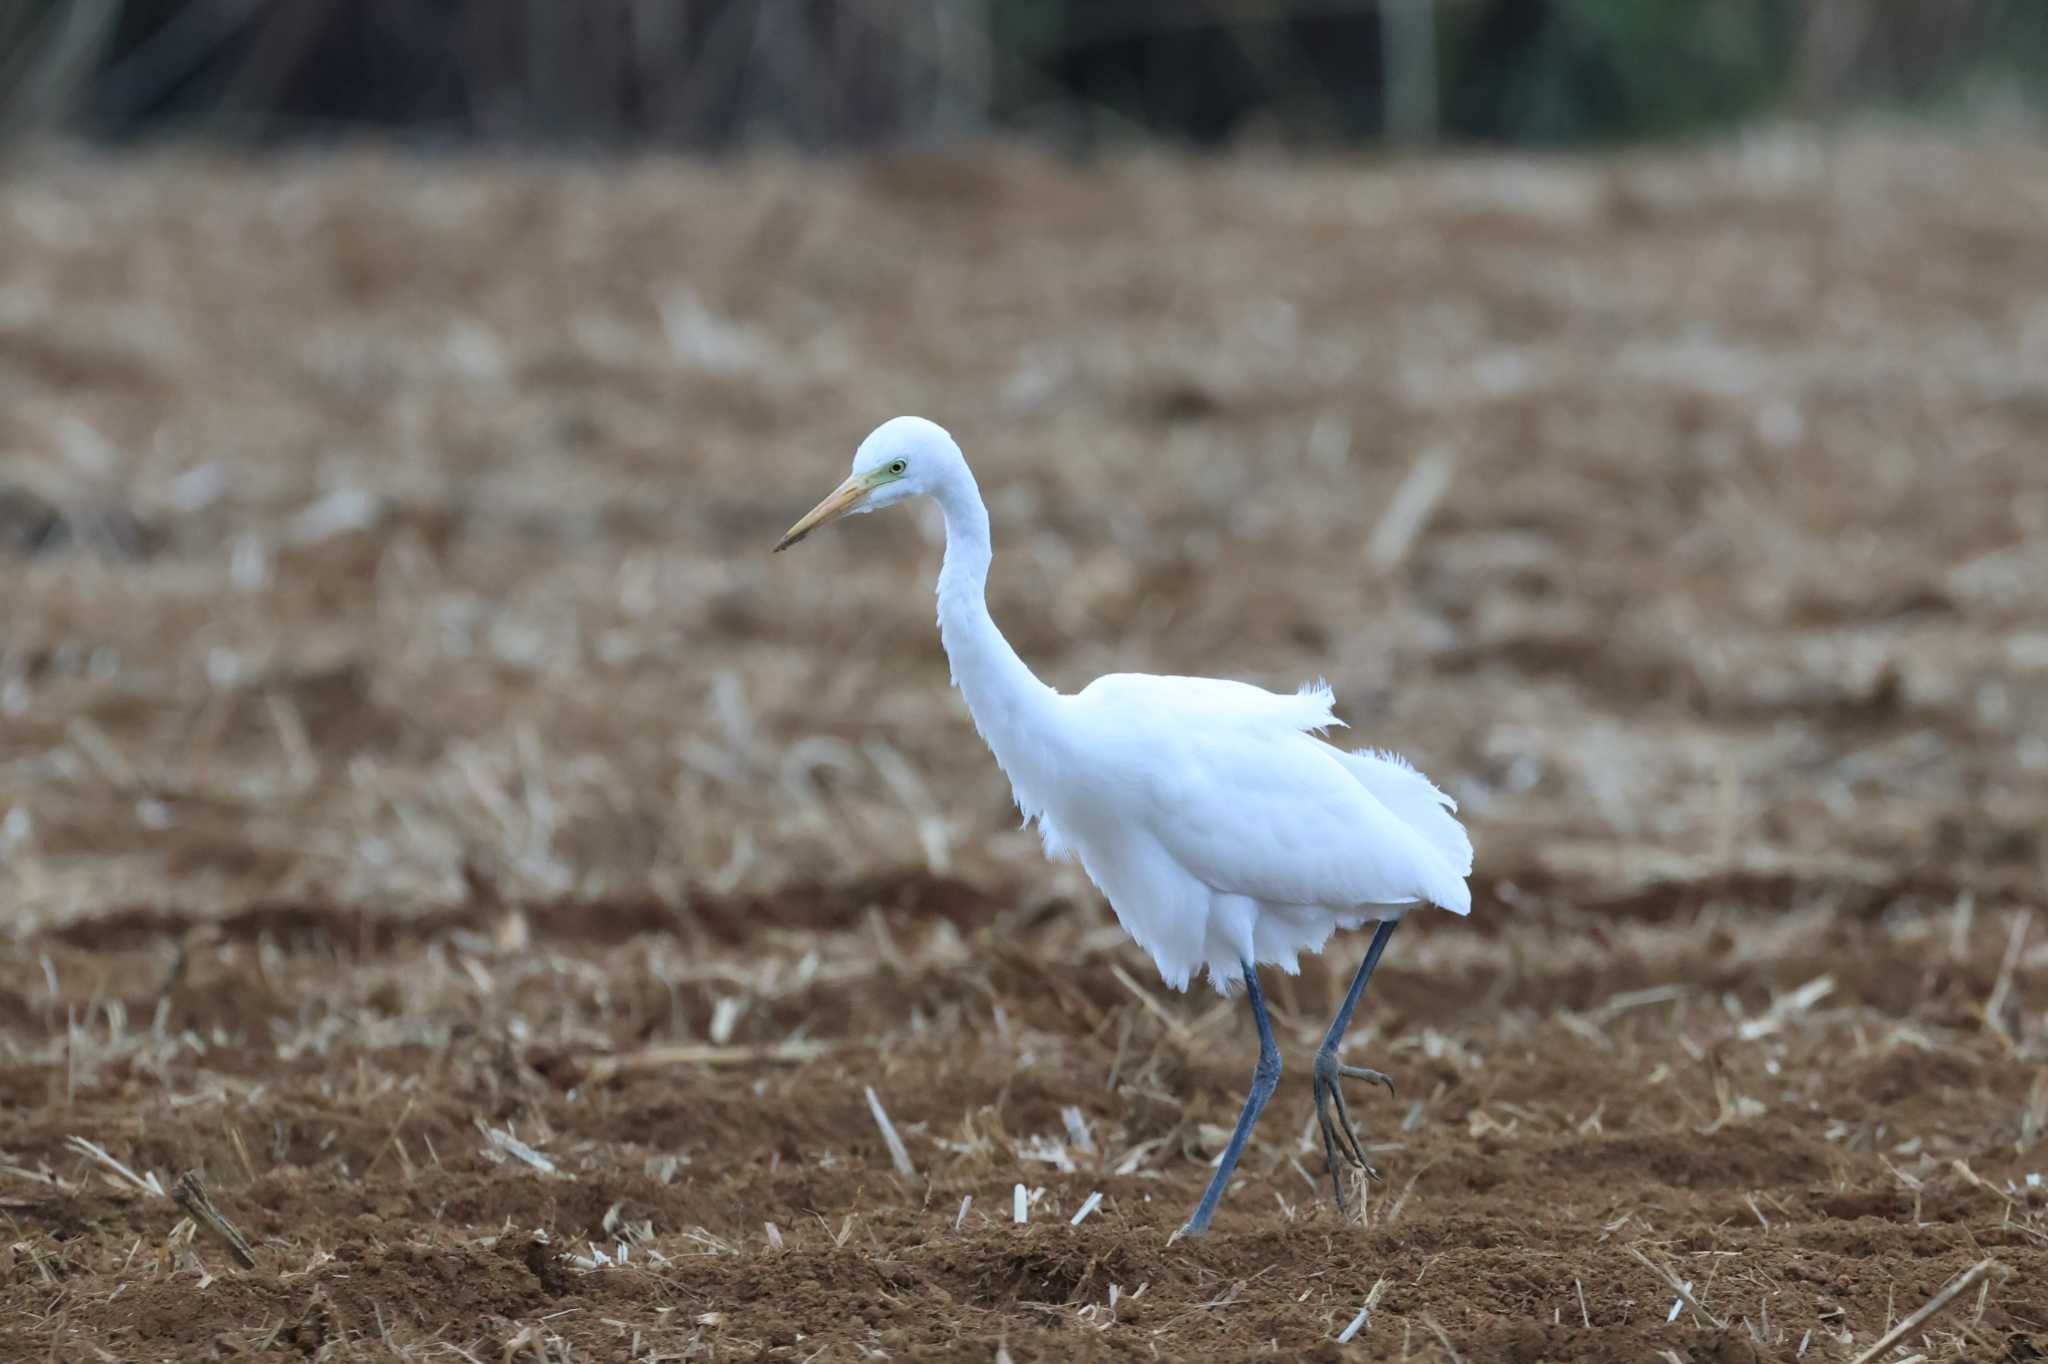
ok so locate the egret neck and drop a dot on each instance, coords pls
(1007, 701)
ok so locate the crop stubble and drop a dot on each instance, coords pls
(440, 822)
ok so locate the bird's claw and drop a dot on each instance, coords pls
(1374, 1076)
(1340, 1134)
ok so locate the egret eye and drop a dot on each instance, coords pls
(897, 466)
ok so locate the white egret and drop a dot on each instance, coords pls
(1225, 832)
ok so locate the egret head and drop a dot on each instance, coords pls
(902, 458)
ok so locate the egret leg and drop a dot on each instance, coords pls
(1263, 1080)
(1340, 1135)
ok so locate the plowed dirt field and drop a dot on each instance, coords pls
(428, 814)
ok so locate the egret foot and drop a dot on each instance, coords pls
(1340, 1134)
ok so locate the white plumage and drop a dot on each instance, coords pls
(1222, 827)
(1223, 830)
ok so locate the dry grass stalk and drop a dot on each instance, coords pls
(1955, 1288)
(1994, 1006)
(1077, 1129)
(1680, 1287)
(146, 1185)
(390, 1138)
(1961, 917)
(1785, 1007)
(1150, 1001)
(1135, 1158)
(794, 1051)
(1372, 1297)
(1409, 510)
(242, 1149)
(2033, 1115)
(190, 1193)
(899, 1156)
(38, 1177)
(1627, 1000)
(91, 740)
(520, 1151)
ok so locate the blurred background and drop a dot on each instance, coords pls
(829, 75)
(395, 398)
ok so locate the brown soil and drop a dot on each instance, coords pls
(426, 812)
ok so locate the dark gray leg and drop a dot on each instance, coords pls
(1340, 1137)
(1263, 1080)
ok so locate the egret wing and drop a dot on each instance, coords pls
(1415, 800)
(1227, 780)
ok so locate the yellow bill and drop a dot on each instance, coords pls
(844, 499)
